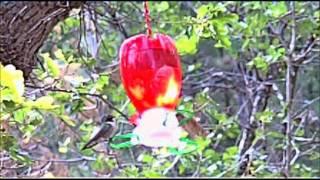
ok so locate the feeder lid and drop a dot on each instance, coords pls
(158, 127)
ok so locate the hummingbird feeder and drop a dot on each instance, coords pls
(151, 74)
(150, 70)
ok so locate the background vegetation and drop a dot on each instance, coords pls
(251, 74)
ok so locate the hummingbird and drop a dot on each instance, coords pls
(193, 128)
(106, 131)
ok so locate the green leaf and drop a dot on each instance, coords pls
(15, 155)
(68, 120)
(87, 126)
(102, 82)
(275, 134)
(223, 42)
(6, 141)
(181, 169)
(259, 63)
(147, 158)
(299, 133)
(71, 22)
(315, 156)
(63, 149)
(59, 55)
(19, 115)
(70, 59)
(230, 153)
(44, 102)
(99, 164)
(265, 116)
(131, 109)
(245, 44)
(67, 141)
(202, 143)
(51, 65)
(131, 171)
(277, 9)
(202, 10)
(150, 173)
(187, 45)
(163, 6)
(11, 83)
(211, 155)
(305, 27)
(221, 117)
(229, 18)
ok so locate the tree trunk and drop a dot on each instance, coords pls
(24, 26)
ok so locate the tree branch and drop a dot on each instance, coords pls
(290, 80)
(84, 94)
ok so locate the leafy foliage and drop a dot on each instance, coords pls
(235, 58)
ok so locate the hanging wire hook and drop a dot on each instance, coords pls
(147, 18)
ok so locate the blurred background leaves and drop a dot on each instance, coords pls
(231, 53)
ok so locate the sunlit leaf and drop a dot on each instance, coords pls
(163, 6)
(44, 102)
(187, 45)
(68, 120)
(14, 81)
(277, 9)
(59, 54)
(48, 175)
(63, 149)
(51, 65)
(202, 10)
(259, 63)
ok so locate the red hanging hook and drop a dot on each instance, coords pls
(147, 18)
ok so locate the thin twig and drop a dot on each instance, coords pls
(198, 166)
(74, 160)
(85, 94)
(289, 95)
(230, 169)
(176, 159)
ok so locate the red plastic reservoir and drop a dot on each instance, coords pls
(151, 71)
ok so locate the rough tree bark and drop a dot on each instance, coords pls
(25, 25)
